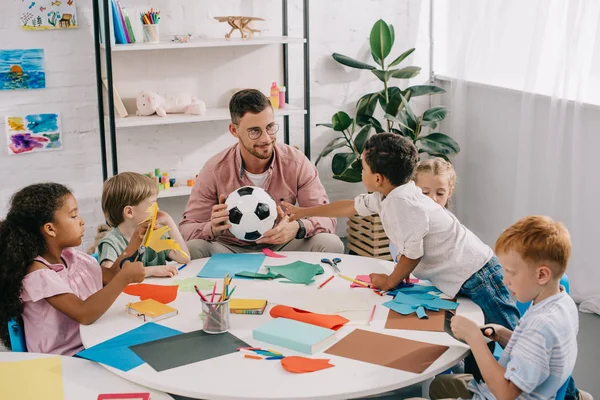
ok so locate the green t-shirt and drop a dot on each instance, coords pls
(113, 245)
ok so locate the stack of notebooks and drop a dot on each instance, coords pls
(295, 335)
(247, 306)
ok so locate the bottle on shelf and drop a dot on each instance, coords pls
(274, 95)
(281, 96)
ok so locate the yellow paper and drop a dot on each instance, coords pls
(40, 378)
(246, 304)
(153, 237)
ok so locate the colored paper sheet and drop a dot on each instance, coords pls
(186, 349)
(301, 365)
(187, 285)
(435, 322)
(220, 265)
(272, 254)
(387, 351)
(115, 352)
(334, 322)
(425, 300)
(405, 309)
(160, 293)
(40, 378)
(297, 272)
(256, 275)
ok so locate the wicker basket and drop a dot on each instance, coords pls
(366, 237)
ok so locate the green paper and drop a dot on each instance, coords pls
(187, 285)
(256, 275)
(297, 272)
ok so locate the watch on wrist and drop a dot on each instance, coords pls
(301, 234)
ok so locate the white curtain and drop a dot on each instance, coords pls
(524, 97)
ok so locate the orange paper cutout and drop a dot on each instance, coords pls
(300, 365)
(330, 321)
(161, 293)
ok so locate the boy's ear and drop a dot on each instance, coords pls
(128, 212)
(379, 179)
(544, 274)
(48, 229)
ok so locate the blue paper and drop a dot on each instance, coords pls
(405, 309)
(421, 313)
(418, 289)
(220, 264)
(115, 352)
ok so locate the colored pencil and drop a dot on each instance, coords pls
(372, 314)
(324, 283)
(212, 299)
(231, 294)
(252, 357)
(182, 267)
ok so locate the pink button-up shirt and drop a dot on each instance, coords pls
(48, 330)
(290, 177)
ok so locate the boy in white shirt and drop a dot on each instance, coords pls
(540, 354)
(433, 244)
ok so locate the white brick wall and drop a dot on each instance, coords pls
(336, 26)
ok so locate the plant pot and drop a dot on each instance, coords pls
(366, 237)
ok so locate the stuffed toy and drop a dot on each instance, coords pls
(149, 102)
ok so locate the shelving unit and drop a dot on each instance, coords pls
(214, 114)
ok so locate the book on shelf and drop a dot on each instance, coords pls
(119, 106)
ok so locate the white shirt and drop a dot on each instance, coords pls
(258, 179)
(420, 227)
(541, 353)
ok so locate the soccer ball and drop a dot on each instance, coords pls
(252, 212)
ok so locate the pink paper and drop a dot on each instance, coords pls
(366, 279)
(271, 253)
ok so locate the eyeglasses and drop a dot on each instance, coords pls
(255, 133)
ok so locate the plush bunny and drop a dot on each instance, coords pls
(149, 102)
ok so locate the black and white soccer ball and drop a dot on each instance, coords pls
(252, 212)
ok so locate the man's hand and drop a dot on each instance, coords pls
(294, 213)
(282, 233)
(465, 329)
(219, 218)
(379, 281)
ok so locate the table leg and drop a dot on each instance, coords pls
(425, 387)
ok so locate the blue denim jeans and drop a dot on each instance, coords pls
(486, 289)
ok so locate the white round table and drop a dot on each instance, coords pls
(235, 377)
(83, 379)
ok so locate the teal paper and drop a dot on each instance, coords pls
(220, 264)
(292, 334)
(297, 272)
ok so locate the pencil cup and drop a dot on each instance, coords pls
(215, 316)
(151, 33)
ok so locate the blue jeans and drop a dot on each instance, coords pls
(486, 289)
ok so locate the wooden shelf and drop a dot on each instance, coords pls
(212, 114)
(175, 192)
(201, 43)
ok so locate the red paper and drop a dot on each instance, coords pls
(272, 254)
(301, 365)
(161, 293)
(334, 322)
(366, 279)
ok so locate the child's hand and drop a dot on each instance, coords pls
(379, 281)
(494, 334)
(163, 219)
(162, 271)
(293, 211)
(133, 272)
(464, 329)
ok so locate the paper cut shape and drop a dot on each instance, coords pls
(160, 293)
(405, 309)
(435, 322)
(186, 349)
(387, 351)
(256, 275)
(272, 254)
(40, 378)
(153, 237)
(424, 300)
(115, 352)
(187, 285)
(220, 265)
(297, 272)
(299, 365)
(417, 289)
(334, 322)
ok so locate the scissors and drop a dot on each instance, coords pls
(334, 262)
(448, 328)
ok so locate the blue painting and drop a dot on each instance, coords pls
(31, 133)
(22, 69)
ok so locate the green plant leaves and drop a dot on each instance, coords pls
(422, 90)
(361, 138)
(437, 143)
(350, 175)
(380, 41)
(342, 161)
(340, 121)
(350, 62)
(435, 114)
(401, 57)
(406, 72)
(334, 144)
(366, 105)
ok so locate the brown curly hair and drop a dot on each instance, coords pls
(21, 241)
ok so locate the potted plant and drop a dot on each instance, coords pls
(398, 118)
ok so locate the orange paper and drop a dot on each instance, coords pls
(300, 365)
(329, 321)
(161, 293)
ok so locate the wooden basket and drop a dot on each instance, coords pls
(366, 237)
